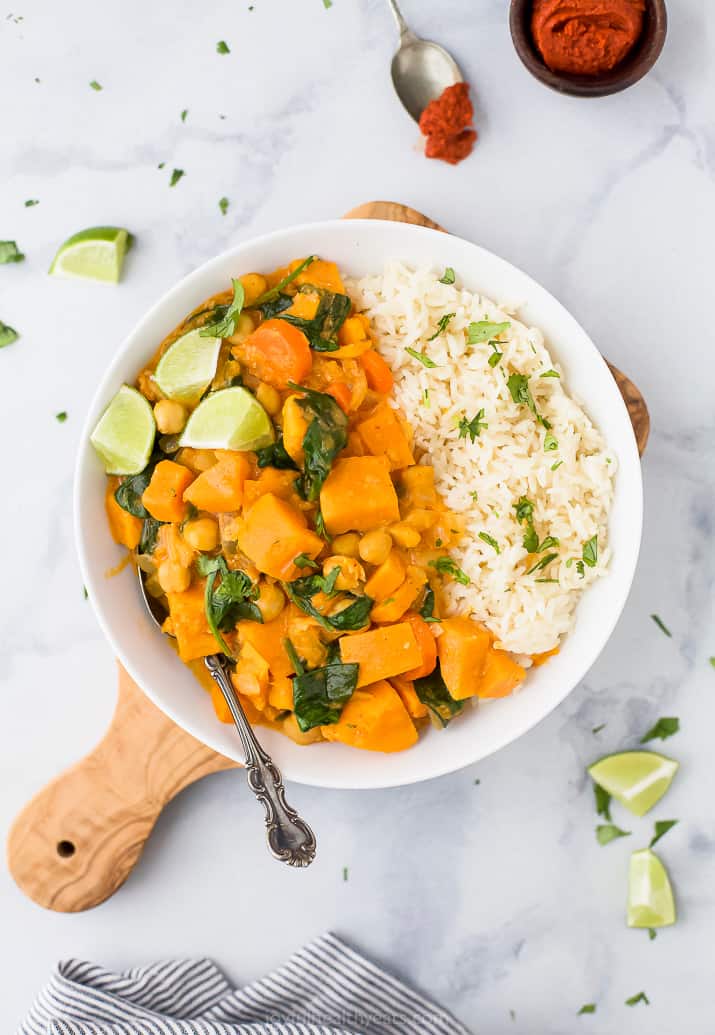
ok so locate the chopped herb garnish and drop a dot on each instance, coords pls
(663, 729)
(442, 325)
(95, 85)
(474, 494)
(288, 279)
(427, 609)
(543, 563)
(548, 544)
(423, 359)
(607, 832)
(223, 205)
(9, 252)
(304, 561)
(425, 398)
(490, 541)
(448, 276)
(550, 443)
(224, 324)
(587, 1008)
(555, 581)
(472, 427)
(222, 47)
(590, 552)
(446, 566)
(580, 568)
(31, 202)
(640, 998)
(327, 4)
(518, 385)
(161, 165)
(175, 177)
(652, 934)
(320, 527)
(662, 826)
(7, 335)
(597, 729)
(184, 113)
(61, 417)
(603, 800)
(661, 625)
(483, 330)
(345, 869)
(550, 373)
(555, 466)
(712, 662)
(524, 509)
(495, 357)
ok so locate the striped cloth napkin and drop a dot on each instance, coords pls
(324, 989)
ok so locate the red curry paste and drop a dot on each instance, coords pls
(447, 124)
(586, 37)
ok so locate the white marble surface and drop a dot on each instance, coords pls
(493, 897)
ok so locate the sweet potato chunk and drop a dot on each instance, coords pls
(418, 490)
(386, 578)
(125, 528)
(383, 435)
(394, 606)
(381, 653)
(164, 495)
(321, 274)
(408, 695)
(270, 479)
(273, 534)
(220, 488)
(193, 636)
(462, 647)
(501, 675)
(267, 638)
(374, 719)
(358, 495)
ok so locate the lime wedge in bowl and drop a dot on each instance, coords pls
(650, 896)
(638, 779)
(124, 436)
(188, 367)
(231, 418)
(97, 254)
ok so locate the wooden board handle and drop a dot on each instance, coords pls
(78, 840)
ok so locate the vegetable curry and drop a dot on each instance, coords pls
(316, 562)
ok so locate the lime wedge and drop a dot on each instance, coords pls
(188, 367)
(97, 253)
(650, 896)
(638, 779)
(124, 436)
(231, 418)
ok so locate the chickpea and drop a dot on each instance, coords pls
(421, 519)
(201, 533)
(271, 601)
(254, 285)
(170, 416)
(375, 546)
(269, 398)
(404, 535)
(351, 574)
(173, 578)
(347, 544)
(244, 327)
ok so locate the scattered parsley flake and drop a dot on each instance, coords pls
(223, 205)
(85, 593)
(640, 998)
(472, 427)
(664, 728)
(652, 934)
(448, 276)
(662, 826)
(490, 541)
(327, 4)
(442, 325)
(345, 873)
(603, 799)
(222, 47)
(518, 385)
(474, 494)
(176, 176)
(550, 443)
(555, 466)
(31, 202)
(555, 581)
(483, 330)
(9, 252)
(95, 85)
(587, 1008)
(580, 568)
(662, 626)
(544, 562)
(597, 729)
(495, 357)
(161, 165)
(61, 417)
(607, 832)
(589, 552)
(550, 373)
(304, 561)
(712, 662)
(446, 566)
(423, 359)
(7, 335)
(524, 509)
(184, 113)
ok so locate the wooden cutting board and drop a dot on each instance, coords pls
(80, 837)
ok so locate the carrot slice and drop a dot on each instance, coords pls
(378, 374)
(277, 352)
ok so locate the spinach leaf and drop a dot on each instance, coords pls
(301, 592)
(230, 601)
(150, 531)
(224, 324)
(433, 693)
(319, 695)
(321, 331)
(288, 279)
(129, 494)
(275, 456)
(274, 306)
(427, 609)
(354, 616)
(9, 252)
(326, 436)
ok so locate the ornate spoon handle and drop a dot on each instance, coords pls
(290, 839)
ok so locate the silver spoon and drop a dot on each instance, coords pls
(290, 839)
(421, 70)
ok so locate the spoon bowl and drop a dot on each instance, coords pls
(421, 70)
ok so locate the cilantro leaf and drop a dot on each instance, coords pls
(490, 541)
(448, 276)
(304, 561)
(9, 252)
(603, 801)
(544, 562)
(446, 566)
(550, 373)
(222, 47)
(184, 113)
(225, 324)
(423, 359)
(524, 509)
(662, 626)
(223, 205)
(555, 466)
(640, 998)
(518, 385)
(95, 85)
(483, 330)
(472, 427)
(607, 832)
(663, 729)
(61, 417)
(590, 552)
(587, 1008)
(442, 325)
(7, 335)
(493, 360)
(550, 443)
(175, 177)
(31, 202)
(652, 934)
(662, 826)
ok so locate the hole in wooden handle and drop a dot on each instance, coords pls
(65, 849)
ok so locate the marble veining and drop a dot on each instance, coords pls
(487, 887)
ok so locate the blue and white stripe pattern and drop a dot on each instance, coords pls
(324, 989)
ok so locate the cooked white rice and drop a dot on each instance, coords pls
(505, 462)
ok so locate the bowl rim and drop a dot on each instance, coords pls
(92, 578)
(634, 66)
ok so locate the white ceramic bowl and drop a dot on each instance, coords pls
(360, 247)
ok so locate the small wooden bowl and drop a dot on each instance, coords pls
(633, 67)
